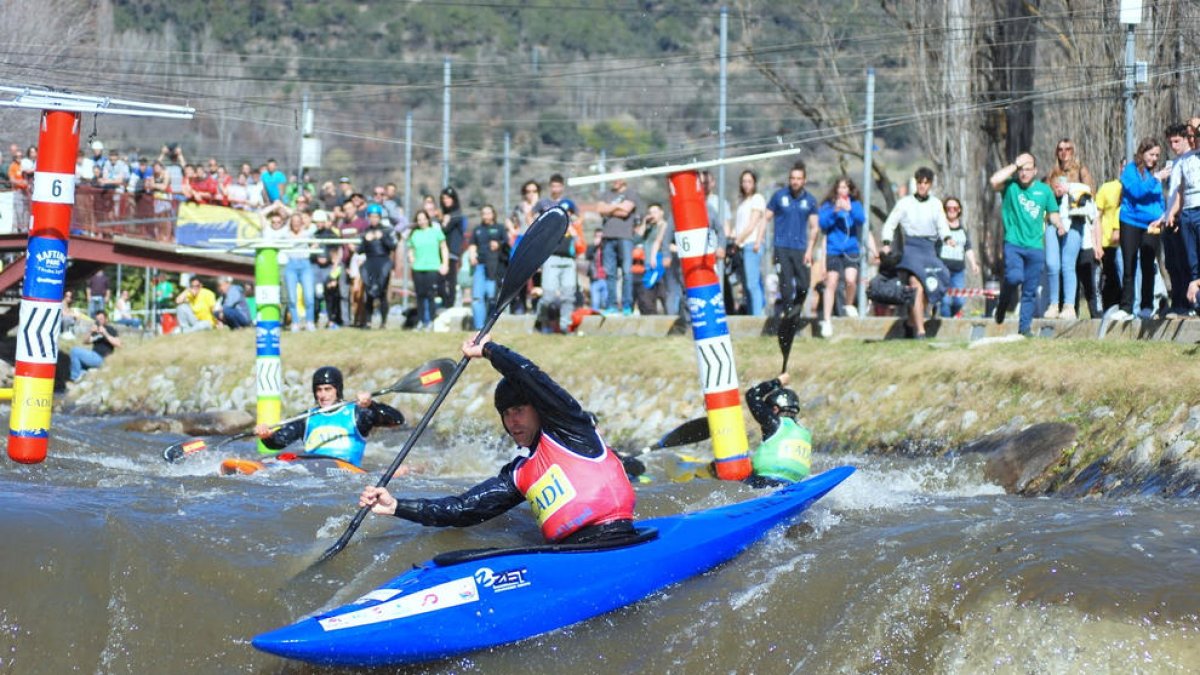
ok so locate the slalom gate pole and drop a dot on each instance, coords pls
(268, 362)
(42, 292)
(714, 351)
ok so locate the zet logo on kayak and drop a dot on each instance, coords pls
(504, 581)
(550, 493)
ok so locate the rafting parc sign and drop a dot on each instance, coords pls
(199, 224)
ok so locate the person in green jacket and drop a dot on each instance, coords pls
(785, 455)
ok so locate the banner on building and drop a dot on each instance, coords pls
(199, 224)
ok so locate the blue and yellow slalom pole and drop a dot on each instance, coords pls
(710, 330)
(42, 292)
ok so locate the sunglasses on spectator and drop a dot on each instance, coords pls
(953, 208)
(1065, 147)
(531, 192)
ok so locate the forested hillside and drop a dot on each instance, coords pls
(961, 85)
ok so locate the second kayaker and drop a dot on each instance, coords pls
(785, 455)
(338, 434)
(575, 485)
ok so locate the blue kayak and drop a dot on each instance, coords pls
(469, 600)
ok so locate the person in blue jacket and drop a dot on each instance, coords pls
(338, 434)
(1142, 213)
(840, 218)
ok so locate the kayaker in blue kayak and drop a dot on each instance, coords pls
(575, 485)
(785, 453)
(339, 434)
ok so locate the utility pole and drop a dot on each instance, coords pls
(507, 172)
(446, 122)
(868, 180)
(1131, 16)
(302, 130)
(722, 91)
(408, 167)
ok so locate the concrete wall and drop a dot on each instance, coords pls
(883, 328)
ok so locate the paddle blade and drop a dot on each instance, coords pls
(540, 240)
(428, 378)
(183, 449)
(788, 323)
(692, 431)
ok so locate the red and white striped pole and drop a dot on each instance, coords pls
(714, 351)
(42, 293)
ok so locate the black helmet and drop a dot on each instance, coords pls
(786, 400)
(328, 375)
(508, 396)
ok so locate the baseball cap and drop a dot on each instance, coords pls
(344, 179)
(97, 145)
(320, 216)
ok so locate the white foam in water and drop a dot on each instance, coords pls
(762, 579)
(899, 482)
(1034, 638)
(333, 526)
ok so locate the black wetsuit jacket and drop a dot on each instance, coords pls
(376, 415)
(561, 415)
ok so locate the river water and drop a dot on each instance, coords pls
(116, 562)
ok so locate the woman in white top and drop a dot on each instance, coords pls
(748, 231)
(122, 312)
(299, 271)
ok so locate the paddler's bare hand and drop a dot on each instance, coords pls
(263, 431)
(363, 399)
(784, 378)
(474, 351)
(378, 499)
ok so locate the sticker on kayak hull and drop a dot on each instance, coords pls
(443, 596)
(503, 581)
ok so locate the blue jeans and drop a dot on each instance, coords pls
(1062, 252)
(483, 294)
(950, 306)
(559, 280)
(611, 248)
(300, 272)
(1189, 227)
(83, 359)
(1023, 267)
(674, 286)
(95, 304)
(599, 294)
(752, 264)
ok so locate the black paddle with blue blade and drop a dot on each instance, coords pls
(543, 236)
(428, 378)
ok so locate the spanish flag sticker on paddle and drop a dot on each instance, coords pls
(431, 378)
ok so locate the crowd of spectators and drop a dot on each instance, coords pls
(1129, 246)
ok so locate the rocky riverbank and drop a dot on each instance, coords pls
(1073, 417)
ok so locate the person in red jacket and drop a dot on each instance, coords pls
(575, 485)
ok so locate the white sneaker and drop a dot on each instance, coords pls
(1121, 315)
(1068, 314)
(826, 329)
(1051, 312)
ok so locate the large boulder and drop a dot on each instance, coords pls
(154, 425)
(1016, 459)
